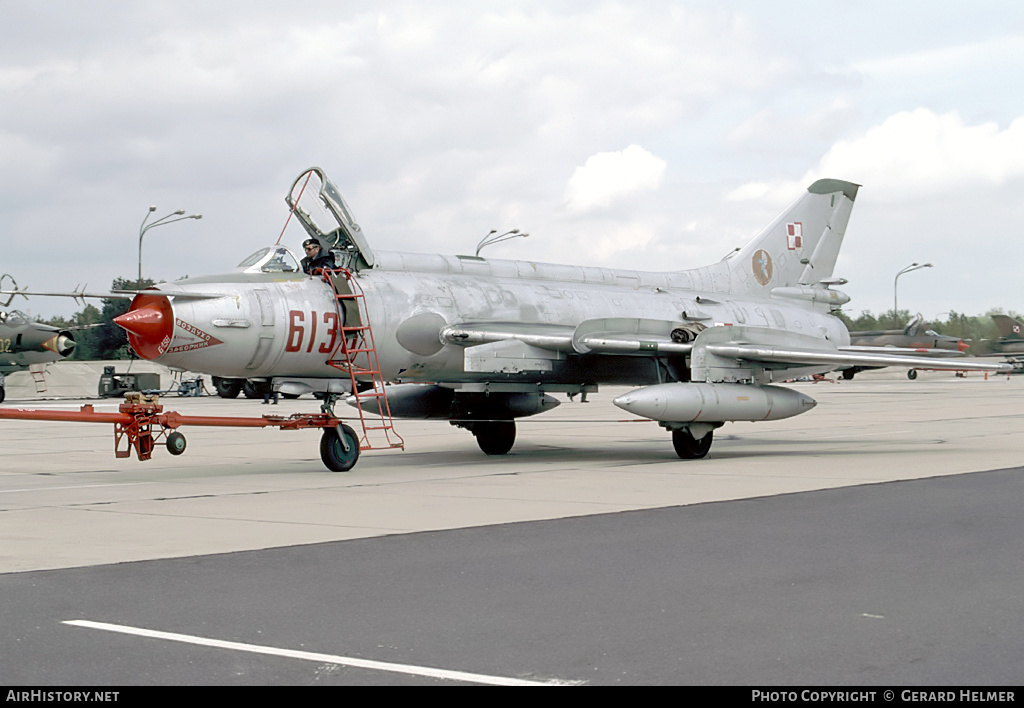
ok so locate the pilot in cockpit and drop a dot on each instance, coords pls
(316, 257)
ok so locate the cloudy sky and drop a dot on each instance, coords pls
(656, 135)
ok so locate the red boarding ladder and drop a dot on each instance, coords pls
(357, 354)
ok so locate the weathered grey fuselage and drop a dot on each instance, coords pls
(286, 325)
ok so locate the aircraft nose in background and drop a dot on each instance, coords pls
(63, 344)
(962, 345)
(150, 325)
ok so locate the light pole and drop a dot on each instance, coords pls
(491, 238)
(895, 283)
(162, 221)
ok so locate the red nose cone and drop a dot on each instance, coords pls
(962, 345)
(150, 325)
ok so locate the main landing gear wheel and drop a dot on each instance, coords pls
(175, 443)
(227, 388)
(333, 452)
(495, 437)
(690, 449)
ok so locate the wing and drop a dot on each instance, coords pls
(517, 347)
(925, 353)
(750, 348)
(630, 336)
(842, 358)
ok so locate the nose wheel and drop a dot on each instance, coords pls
(339, 448)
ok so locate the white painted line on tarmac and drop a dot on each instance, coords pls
(72, 486)
(321, 658)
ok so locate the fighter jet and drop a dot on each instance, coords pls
(1011, 335)
(481, 342)
(24, 342)
(909, 340)
(911, 337)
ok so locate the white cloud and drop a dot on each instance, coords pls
(913, 153)
(609, 176)
(929, 153)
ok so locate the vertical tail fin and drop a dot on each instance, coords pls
(1008, 327)
(800, 246)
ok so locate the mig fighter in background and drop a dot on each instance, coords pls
(24, 342)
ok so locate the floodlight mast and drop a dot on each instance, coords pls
(490, 238)
(895, 284)
(162, 221)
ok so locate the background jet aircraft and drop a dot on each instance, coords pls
(1011, 336)
(24, 342)
(911, 339)
(480, 342)
(913, 336)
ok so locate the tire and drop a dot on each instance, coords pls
(495, 437)
(227, 388)
(912, 374)
(333, 453)
(175, 443)
(689, 449)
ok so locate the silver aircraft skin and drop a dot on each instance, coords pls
(481, 341)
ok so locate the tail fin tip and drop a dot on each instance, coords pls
(827, 186)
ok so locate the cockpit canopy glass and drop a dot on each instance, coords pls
(14, 317)
(273, 259)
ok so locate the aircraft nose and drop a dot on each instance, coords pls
(62, 343)
(150, 325)
(962, 345)
(65, 344)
